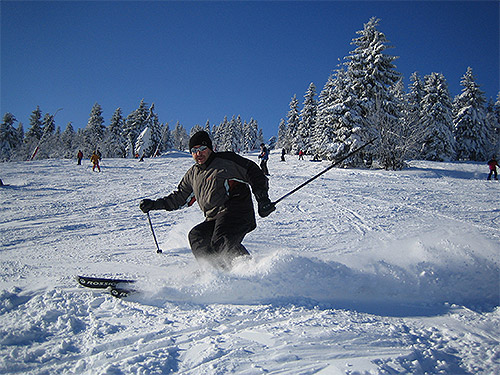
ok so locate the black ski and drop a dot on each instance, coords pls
(117, 287)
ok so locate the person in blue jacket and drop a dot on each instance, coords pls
(264, 156)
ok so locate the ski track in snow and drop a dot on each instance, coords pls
(359, 272)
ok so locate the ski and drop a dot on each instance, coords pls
(117, 287)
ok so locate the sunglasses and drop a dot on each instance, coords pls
(194, 150)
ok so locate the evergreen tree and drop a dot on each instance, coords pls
(493, 121)
(94, 131)
(471, 128)
(166, 142)
(392, 146)
(180, 137)
(282, 133)
(236, 134)
(413, 115)
(195, 129)
(370, 76)
(34, 133)
(437, 122)
(250, 133)
(292, 125)
(114, 140)
(221, 136)
(48, 141)
(8, 137)
(67, 141)
(134, 125)
(333, 131)
(155, 133)
(307, 121)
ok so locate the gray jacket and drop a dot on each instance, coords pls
(221, 185)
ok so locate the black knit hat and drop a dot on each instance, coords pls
(200, 138)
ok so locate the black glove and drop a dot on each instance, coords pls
(265, 207)
(147, 205)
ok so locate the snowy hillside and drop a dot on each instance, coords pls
(360, 272)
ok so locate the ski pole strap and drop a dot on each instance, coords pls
(334, 164)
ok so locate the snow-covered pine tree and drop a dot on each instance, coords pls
(493, 121)
(413, 115)
(250, 131)
(307, 122)
(134, 124)
(48, 141)
(195, 129)
(470, 126)
(237, 142)
(155, 128)
(271, 142)
(370, 75)
(292, 124)
(323, 118)
(220, 136)
(115, 143)
(93, 133)
(391, 127)
(8, 137)
(282, 132)
(437, 120)
(67, 140)
(257, 137)
(34, 133)
(20, 153)
(180, 139)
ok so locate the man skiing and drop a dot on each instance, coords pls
(220, 182)
(493, 164)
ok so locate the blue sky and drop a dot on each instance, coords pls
(200, 61)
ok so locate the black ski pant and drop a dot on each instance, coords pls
(263, 166)
(218, 241)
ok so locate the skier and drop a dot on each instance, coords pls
(283, 152)
(301, 155)
(95, 161)
(493, 164)
(79, 157)
(264, 156)
(220, 182)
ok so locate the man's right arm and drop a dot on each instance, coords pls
(180, 198)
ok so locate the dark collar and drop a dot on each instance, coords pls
(207, 163)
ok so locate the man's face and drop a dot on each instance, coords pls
(200, 154)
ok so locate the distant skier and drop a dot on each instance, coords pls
(79, 157)
(283, 152)
(220, 182)
(264, 156)
(95, 161)
(493, 164)
(301, 155)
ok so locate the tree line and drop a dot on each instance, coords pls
(365, 98)
(139, 134)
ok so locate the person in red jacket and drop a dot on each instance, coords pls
(493, 164)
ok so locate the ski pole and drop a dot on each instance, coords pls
(158, 250)
(325, 170)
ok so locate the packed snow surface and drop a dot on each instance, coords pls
(359, 272)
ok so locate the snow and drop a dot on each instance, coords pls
(359, 272)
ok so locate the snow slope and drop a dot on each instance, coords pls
(360, 272)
